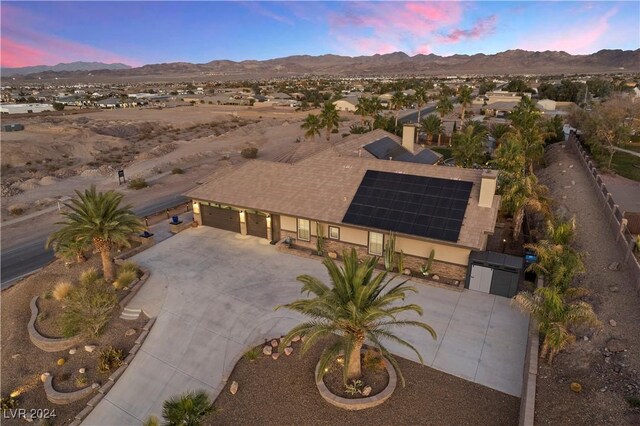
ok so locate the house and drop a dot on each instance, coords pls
(503, 96)
(346, 104)
(109, 103)
(500, 109)
(355, 200)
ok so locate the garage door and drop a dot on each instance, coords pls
(256, 225)
(221, 218)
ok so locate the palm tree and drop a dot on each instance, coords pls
(329, 118)
(444, 106)
(375, 106)
(363, 108)
(521, 193)
(557, 313)
(398, 101)
(312, 124)
(97, 218)
(70, 249)
(464, 98)
(356, 306)
(421, 98)
(468, 146)
(529, 131)
(498, 130)
(509, 159)
(187, 409)
(431, 125)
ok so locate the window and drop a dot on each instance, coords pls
(375, 243)
(303, 230)
(334, 233)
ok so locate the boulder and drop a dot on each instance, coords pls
(295, 338)
(613, 323)
(267, 350)
(332, 255)
(275, 355)
(407, 271)
(90, 348)
(288, 351)
(72, 351)
(233, 388)
(614, 266)
(274, 343)
(435, 277)
(82, 370)
(366, 391)
(43, 377)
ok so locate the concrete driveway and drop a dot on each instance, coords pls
(213, 294)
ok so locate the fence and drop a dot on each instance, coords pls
(613, 214)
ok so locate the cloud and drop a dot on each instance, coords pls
(264, 11)
(575, 38)
(21, 46)
(483, 27)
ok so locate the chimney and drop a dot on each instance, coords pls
(487, 188)
(409, 135)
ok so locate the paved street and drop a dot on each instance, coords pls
(213, 294)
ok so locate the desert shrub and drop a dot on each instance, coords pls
(177, 171)
(47, 294)
(129, 266)
(16, 210)
(137, 183)
(124, 279)
(88, 310)
(42, 316)
(334, 130)
(61, 290)
(89, 276)
(81, 380)
(251, 152)
(253, 354)
(373, 361)
(110, 358)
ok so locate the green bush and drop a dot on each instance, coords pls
(124, 279)
(253, 354)
(129, 266)
(249, 152)
(110, 358)
(8, 403)
(177, 171)
(89, 276)
(88, 311)
(137, 183)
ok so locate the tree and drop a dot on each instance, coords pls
(610, 125)
(509, 159)
(70, 249)
(398, 101)
(431, 125)
(468, 146)
(329, 118)
(528, 131)
(444, 106)
(521, 193)
(464, 98)
(363, 108)
(557, 313)
(312, 124)
(498, 130)
(358, 306)
(421, 98)
(187, 409)
(58, 106)
(97, 218)
(554, 129)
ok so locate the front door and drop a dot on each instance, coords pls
(480, 278)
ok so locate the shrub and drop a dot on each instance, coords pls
(334, 130)
(81, 380)
(110, 358)
(373, 361)
(188, 408)
(137, 183)
(253, 354)
(16, 210)
(8, 403)
(47, 295)
(61, 290)
(124, 279)
(251, 152)
(89, 276)
(88, 311)
(129, 266)
(177, 171)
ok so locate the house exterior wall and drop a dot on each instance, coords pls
(342, 105)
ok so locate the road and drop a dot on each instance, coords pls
(412, 117)
(30, 255)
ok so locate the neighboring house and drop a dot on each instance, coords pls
(502, 96)
(346, 104)
(109, 103)
(24, 108)
(356, 200)
(499, 109)
(547, 105)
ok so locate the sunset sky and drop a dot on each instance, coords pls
(138, 33)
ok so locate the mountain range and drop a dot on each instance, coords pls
(72, 66)
(398, 63)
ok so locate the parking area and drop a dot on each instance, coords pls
(214, 292)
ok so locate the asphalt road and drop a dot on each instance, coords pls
(412, 117)
(29, 256)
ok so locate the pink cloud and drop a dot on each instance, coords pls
(424, 49)
(483, 27)
(579, 38)
(21, 46)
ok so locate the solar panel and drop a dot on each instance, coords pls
(415, 205)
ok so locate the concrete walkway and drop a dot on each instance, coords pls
(213, 294)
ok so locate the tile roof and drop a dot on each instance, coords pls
(322, 186)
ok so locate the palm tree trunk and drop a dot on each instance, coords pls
(419, 108)
(517, 223)
(397, 112)
(107, 265)
(328, 133)
(439, 138)
(355, 368)
(462, 112)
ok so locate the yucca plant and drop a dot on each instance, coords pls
(357, 306)
(557, 314)
(187, 409)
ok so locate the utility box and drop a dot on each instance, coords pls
(494, 273)
(12, 127)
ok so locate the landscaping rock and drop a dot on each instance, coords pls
(43, 377)
(407, 271)
(275, 355)
(267, 350)
(90, 348)
(274, 343)
(234, 387)
(72, 351)
(616, 345)
(288, 351)
(82, 370)
(614, 266)
(295, 338)
(613, 323)
(614, 289)
(15, 356)
(366, 391)
(435, 277)
(332, 255)
(130, 332)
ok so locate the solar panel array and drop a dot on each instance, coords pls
(415, 205)
(388, 149)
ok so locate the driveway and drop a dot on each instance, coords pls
(213, 294)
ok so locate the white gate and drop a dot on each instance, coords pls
(480, 278)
